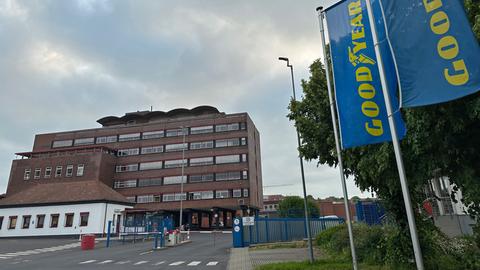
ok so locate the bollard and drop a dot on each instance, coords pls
(108, 233)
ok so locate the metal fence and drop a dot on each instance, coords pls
(268, 230)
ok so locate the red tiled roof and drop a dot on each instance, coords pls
(64, 193)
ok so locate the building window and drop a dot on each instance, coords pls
(152, 149)
(69, 171)
(221, 194)
(244, 157)
(227, 127)
(58, 171)
(106, 139)
(26, 174)
(128, 137)
(227, 142)
(243, 141)
(152, 135)
(126, 168)
(54, 220)
(26, 222)
(207, 195)
(151, 165)
(174, 197)
(12, 222)
(1, 222)
(84, 219)
(125, 184)
(225, 176)
(237, 193)
(171, 180)
(245, 192)
(145, 199)
(243, 126)
(201, 178)
(177, 132)
(37, 173)
(40, 221)
(201, 130)
(176, 147)
(69, 220)
(48, 172)
(128, 152)
(150, 182)
(64, 143)
(80, 169)
(201, 161)
(201, 145)
(227, 159)
(201, 195)
(244, 175)
(84, 141)
(176, 163)
(131, 199)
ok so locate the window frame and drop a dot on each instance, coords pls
(127, 137)
(26, 221)
(10, 219)
(57, 170)
(161, 149)
(66, 223)
(80, 172)
(202, 129)
(35, 176)
(49, 170)
(27, 174)
(69, 171)
(150, 135)
(83, 214)
(54, 217)
(37, 223)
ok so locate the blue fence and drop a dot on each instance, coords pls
(268, 230)
(371, 213)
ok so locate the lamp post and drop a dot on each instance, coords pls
(307, 219)
(183, 175)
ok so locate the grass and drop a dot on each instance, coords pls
(317, 265)
(294, 244)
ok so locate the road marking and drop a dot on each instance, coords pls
(143, 253)
(89, 261)
(158, 263)
(177, 263)
(105, 262)
(194, 263)
(122, 262)
(206, 232)
(212, 263)
(140, 262)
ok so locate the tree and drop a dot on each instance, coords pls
(293, 207)
(442, 140)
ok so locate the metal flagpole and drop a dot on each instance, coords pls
(396, 145)
(337, 143)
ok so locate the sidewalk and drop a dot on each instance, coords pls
(244, 259)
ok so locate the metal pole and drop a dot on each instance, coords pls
(396, 145)
(181, 181)
(337, 140)
(307, 219)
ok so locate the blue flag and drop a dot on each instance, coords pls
(358, 91)
(437, 55)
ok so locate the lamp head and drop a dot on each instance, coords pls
(283, 59)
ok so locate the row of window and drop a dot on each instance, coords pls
(40, 221)
(182, 146)
(177, 163)
(191, 196)
(178, 179)
(150, 135)
(69, 172)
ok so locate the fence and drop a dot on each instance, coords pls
(267, 230)
(371, 213)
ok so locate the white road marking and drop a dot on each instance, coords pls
(89, 261)
(158, 263)
(105, 262)
(122, 262)
(177, 263)
(143, 253)
(194, 263)
(212, 263)
(140, 262)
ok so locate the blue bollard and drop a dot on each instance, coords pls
(108, 233)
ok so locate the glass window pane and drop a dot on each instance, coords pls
(151, 165)
(84, 141)
(152, 135)
(64, 143)
(152, 149)
(128, 137)
(201, 130)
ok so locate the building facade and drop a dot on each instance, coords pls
(201, 161)
(271, 205)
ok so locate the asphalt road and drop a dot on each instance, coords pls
(206, 251)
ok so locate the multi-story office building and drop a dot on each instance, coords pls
(202, 161)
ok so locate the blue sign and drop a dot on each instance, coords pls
(437, 55)
(358, 91)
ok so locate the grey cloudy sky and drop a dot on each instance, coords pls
(65, 64)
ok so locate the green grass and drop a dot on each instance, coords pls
(317, 265)
(295, 244)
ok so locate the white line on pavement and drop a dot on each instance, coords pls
(140, 262)
(147, 252)
(158, 263)
(194, 263)
(122, 262)
(177, 263)
(212, 263)
(105, 262)
(89, 261)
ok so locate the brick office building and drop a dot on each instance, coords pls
(145, 156)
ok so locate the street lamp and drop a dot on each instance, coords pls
(307, 219)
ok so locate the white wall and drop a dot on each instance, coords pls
(99, 215)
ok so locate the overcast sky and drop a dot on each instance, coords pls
(65, 64)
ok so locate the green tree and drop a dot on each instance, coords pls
(293, 207)
(442, 140)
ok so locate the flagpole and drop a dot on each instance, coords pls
(337, 140)
(396, 145)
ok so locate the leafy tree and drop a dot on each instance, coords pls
(293, 207)
(442, 140)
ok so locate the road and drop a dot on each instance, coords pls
(206, 251)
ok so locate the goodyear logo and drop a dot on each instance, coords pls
(362, 64)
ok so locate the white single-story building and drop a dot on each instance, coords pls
(62, 208)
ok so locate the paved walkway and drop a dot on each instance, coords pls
(245, 259)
